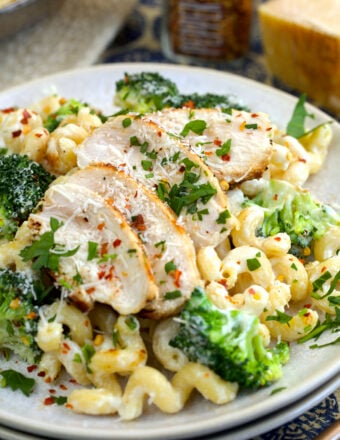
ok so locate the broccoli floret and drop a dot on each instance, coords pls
(147, 92)
(228, 342)
(22, 185)
(294, 211)
(20, 295)
(210, 100)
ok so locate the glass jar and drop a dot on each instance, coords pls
(203, 31)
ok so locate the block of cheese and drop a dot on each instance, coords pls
(301, 42)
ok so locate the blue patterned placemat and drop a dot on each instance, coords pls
(139, 41)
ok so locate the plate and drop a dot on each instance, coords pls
(244, 432)
(307, 370)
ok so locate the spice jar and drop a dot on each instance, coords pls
(199, 31)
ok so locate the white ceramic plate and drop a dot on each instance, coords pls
(243, 432)
(307, 370)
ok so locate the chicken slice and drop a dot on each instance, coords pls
(163, 164)
(235, 146)
(101, 271)
(169, 248)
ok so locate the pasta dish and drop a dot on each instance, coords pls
(169, 247)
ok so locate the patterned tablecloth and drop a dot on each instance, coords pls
(139, 41)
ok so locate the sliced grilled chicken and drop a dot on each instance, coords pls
(236, 147)
(169, 248)
(110, 265)
(162, 163)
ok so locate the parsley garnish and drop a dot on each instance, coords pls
(131, 322)
(92, 247)
(253, 264)
(126, 122)
(296, 125)
(170, 266)
(174, 294)
(197, 127)
(44, 252)
(280, 317)
(225, 148)
(331, 323)
(222, 218)
(17, 381)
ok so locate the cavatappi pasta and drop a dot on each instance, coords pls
(118, 360)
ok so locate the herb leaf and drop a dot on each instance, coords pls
(296, 125)
(17, 381)
(197, 126)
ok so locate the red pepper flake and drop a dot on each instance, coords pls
(8, 110)
(72, 381)
(101, 274)
(90, 290)
(177, 275)
(190, 104)
(275, 196)
(225, 157)
(182, 169)
(49, 401)
(104, 249)
(66, 348)
(41, 374)
(16, 133)
(159, 133)
(251, 291)
(38, 135)
(323, 268)
(301, 159)
(62, 386)
(109, 276)
(217, 142)
(52, 391)
(26, 116)
(308, 306)
(101, 226)
(223, 282)
(69, 406)
(277, 238)
(86, 323)
(254, 115)
(117, 242)
(48, 380)
(138, 222)
(269, 129)
(31, 368)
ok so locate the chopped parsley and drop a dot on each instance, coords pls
(253, 264)
(225, 148)
(197, 126)
(44, 252)
(222, 218)
(126, 122)
(17, 381)
(174, 294)
(280, 317)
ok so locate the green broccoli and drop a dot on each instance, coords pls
(294, 211)
(70, 107)
(210, 100)
(20, 296)
(147, 92)
(228, 342)
(22, 185)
